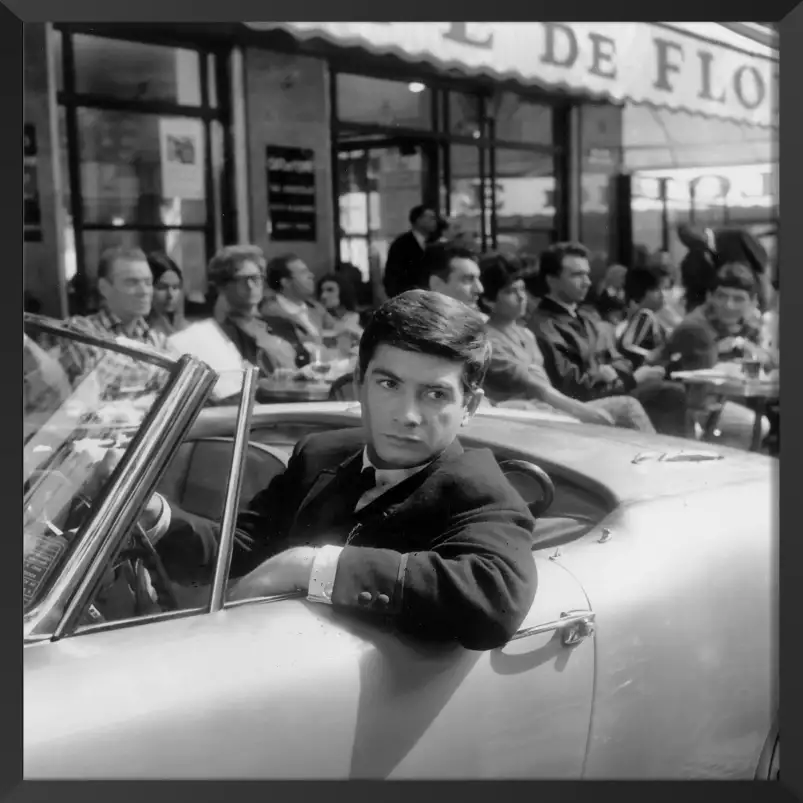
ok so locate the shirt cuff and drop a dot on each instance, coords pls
(322, 578)
(162, 523)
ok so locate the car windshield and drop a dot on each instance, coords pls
(84, 402)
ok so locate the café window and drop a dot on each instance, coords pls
(143, 144)
(396, 104)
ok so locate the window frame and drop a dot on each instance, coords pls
(220, 224)
(442, 137)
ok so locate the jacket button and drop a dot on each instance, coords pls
(383, 600)
(364, 598)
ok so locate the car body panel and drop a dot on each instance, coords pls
(289, 689)
(687, 659)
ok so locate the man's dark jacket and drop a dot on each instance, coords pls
(404, 269)
(573, 347)
(445, 554)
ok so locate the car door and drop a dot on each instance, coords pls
(284, 688)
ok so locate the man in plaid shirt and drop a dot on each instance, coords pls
(125, 283)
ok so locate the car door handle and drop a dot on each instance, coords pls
(574, 627)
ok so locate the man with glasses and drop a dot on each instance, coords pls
(238, 273)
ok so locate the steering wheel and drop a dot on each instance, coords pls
(521, 474)
(145, 551)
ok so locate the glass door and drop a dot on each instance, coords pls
(379, 182)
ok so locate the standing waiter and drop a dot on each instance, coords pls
(404, 268)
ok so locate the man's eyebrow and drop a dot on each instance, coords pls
(389, 374)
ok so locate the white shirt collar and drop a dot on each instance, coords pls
(420, 238)
(387, 477)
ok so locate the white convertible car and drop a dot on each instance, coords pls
(649, 652)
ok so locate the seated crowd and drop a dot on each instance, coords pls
(604, 355)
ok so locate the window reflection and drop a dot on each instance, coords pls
(380, 102)
(600, 141)
(519, 120)
(464, 114)
(126, 179)
(136, 71)
(466, 194)
(525, 190)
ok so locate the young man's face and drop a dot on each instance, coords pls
(244, 292)
(730, 304)
(128, 289)
(463, 283)
(574, 281)
(510, 303)
(413, 406)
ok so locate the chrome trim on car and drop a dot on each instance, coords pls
(130, 349)
(117, 509)
(233, 487)
(574, 626)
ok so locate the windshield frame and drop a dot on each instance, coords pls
(188, 387)
(130, 348)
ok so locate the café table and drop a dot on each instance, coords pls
(760, 392)
(307, 385)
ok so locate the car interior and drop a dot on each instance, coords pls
(197, 477)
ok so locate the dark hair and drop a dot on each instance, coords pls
(118, 253)
(736, 276)
(160, 263)
(430, 323)
(279, 268)
(418, 211)
(640, 281)
(345, 288)
(550, 263)
(498, 271)
(226, 262)
(438, 259)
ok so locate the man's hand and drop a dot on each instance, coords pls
(648, 373)
(595, 415)
(282, 574)
(605, 373)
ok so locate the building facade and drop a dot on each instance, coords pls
(317, 138)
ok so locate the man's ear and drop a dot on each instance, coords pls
(435, 284)
(103, 287)
(357, 381)
(473, 401)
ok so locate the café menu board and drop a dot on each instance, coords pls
(291, 194)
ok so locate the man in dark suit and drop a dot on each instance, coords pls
(395, 519)
(581, 360)
(404, 268)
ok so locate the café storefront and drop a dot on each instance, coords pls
(319, 137)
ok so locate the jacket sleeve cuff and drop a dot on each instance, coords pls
(162, 525)
(324, 571)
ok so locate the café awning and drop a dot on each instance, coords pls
(700, 68)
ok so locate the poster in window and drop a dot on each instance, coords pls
(291, 194)
(181, 149)
(32, 204)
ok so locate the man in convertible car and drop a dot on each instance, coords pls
(396, 519)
